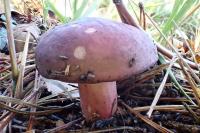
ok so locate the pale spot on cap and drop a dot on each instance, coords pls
(80, 52)
(90, 30)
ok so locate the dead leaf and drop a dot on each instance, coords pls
(59, 123)
(198, 58)
(20, 32)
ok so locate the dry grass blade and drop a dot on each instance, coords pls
(124, 128)
(192, 113)
(11, 44)
(32, 117)
(19, 86)
(5, 76)
(8, 116)
(176, 83)
(144, 77)
(148, 121)
(170, 54)
(133, 118)
(45, 112)
(46, 98)
(193, 85)
(151, 73)
(163, 108)
(36, 84)
(186, 63)
(168, 99)
(161, 49)
(152, 84)
(195, 8)
(161, 87)
(193, 55)
(184, 128)
(23, 103)
(124, 14)
(57, 129)
(197, 41)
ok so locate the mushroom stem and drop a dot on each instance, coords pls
(98, 100)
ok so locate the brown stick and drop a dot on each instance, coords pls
(11, 40)
(124, 14)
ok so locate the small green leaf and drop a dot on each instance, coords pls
(180, 9)
(92, 8)
(168, 25)
(74, 7)
(80, 10)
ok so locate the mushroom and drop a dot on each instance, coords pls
(95, 53)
